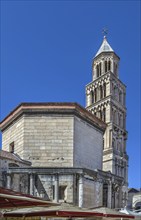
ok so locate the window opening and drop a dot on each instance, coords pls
(95, 94)
(97, 70)
(105, 66)
(109, 65)
(11, 147)
(62, 192)
(104, 88)
(92, 96)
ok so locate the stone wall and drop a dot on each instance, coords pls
(51, 140)
(88, 145)
(45, 141)
(14, 133)
(92, 193)
(48, 140)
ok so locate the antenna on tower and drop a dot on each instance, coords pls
(104, 32)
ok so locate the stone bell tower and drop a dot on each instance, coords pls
(105, 98)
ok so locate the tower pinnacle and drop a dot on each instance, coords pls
(105, 46)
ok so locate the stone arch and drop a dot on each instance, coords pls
(137, 204)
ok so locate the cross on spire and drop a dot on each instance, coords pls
(105, 32)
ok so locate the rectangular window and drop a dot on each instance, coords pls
(62, 192)
(11, 147)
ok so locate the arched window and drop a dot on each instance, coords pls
(95, 94)
(114, 68)
(115, 92)
(100, 114)
(101, 92)
(97, 70)
(104, 90)
(100, 69)
(120, 97)
(104, 114)
(114, 116)
(11, 147)
(92, 97)
(113, 143)
(109, 65)
(106, 66)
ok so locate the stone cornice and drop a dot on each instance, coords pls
(52, 108)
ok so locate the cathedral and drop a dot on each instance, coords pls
(66, 153)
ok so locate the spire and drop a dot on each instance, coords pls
(105, 47)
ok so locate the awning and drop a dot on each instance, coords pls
(111, 213)
(68, 212)
(64, 211)
(11, 199)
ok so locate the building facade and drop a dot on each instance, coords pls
(64, 142)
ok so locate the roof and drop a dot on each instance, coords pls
(12, 199)
(52, 108)
(105, 47)
(133, 190)
(13, 156)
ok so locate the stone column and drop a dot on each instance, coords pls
(109, 194)
(80, 199)
(75, 192)
(88, 98)
(31, 184)
(120, 197)
(56, 188)
(8, 180)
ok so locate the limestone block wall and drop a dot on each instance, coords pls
(48, 140)
(88, 145)
(14, 134)
(108, 162)
(92, 193)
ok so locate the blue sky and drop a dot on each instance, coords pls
(47, 49)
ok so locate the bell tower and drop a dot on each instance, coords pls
(105, 98)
